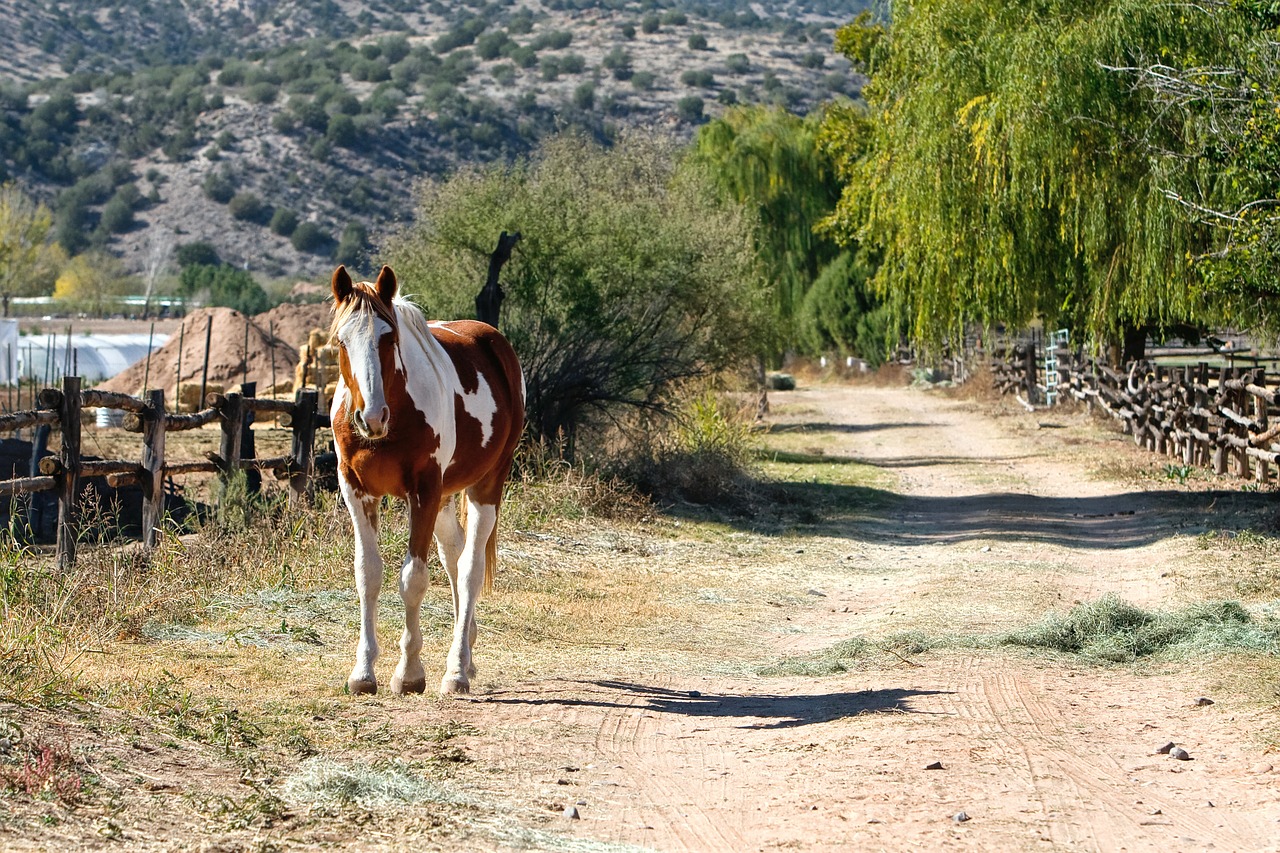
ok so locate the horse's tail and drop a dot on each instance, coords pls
(490, 551)
(490, 559)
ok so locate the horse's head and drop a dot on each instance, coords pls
(365, 329)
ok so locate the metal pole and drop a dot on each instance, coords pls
(146, 371)
(177, 385)
(244, 352)
(204, 374)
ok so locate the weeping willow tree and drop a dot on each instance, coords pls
(768, 160)
(1009, 168)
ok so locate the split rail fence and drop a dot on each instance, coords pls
(1222, 417)
(61, 409)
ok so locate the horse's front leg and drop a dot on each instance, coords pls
(481, 519)
(410, 677)
(368, 571)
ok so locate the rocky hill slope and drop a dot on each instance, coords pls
(290, 134)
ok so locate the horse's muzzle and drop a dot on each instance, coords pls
(371, 428)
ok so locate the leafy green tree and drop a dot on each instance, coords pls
(1009, 167)
(226, 287)
(771, 161)
(630, 276)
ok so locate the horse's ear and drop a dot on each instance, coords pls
(341, 283)
(386, 284)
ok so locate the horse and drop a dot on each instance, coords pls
(424, 411)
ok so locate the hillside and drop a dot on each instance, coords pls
(290, 134)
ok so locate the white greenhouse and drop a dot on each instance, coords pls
(49, 357)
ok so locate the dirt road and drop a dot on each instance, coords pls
(995, 527)
(820, 674)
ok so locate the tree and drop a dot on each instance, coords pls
(770, 160)
(24, 232)
(226, 286)
(1006, 172)
(629, 278)
(89, 279)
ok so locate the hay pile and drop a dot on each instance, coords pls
(231, 360)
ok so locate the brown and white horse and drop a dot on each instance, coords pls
(423, 411)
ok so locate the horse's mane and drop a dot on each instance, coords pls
(363, 298)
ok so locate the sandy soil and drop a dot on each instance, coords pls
(1038, 755)
(985, 522)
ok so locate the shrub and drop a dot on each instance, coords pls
(198, 253)
(630, 277)
(697, 41)
(737, 63)
(247, 207)
(650, 23)
(308, 237)
(219, 187)
(618, 63)
(698, 78)
(117, 215)
(690, 109)
(643, 80)
(284, 221)
(584, 97)
(263, 93)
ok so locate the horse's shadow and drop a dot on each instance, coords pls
(757, 711)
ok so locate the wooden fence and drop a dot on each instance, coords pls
(62, 409)
(1222, 417)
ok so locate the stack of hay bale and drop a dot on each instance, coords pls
(318, 366)
(188, 395)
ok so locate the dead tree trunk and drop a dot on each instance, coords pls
(489, 299)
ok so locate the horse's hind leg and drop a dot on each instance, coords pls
(450, 540)
(368, 572)
(481, 519)
(410, 677)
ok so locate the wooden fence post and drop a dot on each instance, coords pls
(232, 432)
(1030, 368)
(153, 424)
(253, 479)
(69, 479)
(1260, 470)
(304, 437)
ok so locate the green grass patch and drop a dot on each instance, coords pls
(1110, 629)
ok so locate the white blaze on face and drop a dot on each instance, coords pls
(359, 336)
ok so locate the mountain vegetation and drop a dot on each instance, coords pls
(290, 135)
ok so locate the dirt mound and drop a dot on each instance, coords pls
(293, 323)
(233, 356)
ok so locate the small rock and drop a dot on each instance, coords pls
(1156, 811)
(1164, 750)
(1203, 701)
(937, 765)
(986, 548)
(695, 694)
(582, 802)
(571, 812)
(1180, 754)
(959, 817)
(562, 781)
(818, 593)
(1262, 768)
(5, 744)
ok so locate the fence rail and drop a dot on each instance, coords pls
(61, 409)
(1226, 418)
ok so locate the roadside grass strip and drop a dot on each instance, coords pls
(1107, 630)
